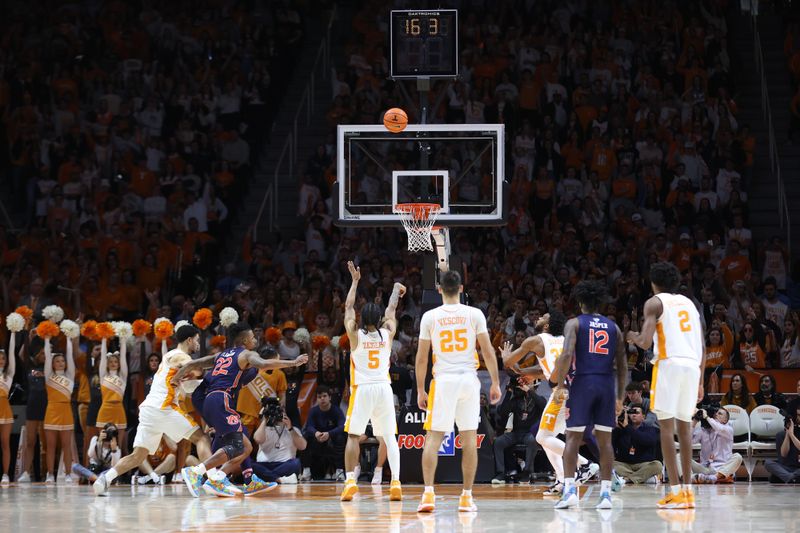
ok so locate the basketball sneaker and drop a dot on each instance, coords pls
(193, 480)
(24, 478)
(258, 485)
(350, 489)
(466, 504)
(569, 499)
(689, 495)
(221, 487)
(428, 503)
(395, 491)
(673, 501)
(50, 480)
(5, 481)
(556, 489)
(617, 482)
(605, 501)
(586, 472)
(100, 486)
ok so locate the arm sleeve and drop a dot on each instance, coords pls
(425, 326)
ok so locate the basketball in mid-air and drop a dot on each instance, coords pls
(395, 120)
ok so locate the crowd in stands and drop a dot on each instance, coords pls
(623, 149)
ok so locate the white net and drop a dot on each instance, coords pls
(418, 219)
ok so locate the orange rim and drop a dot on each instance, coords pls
(418, 211)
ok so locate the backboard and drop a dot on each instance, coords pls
(459, 166)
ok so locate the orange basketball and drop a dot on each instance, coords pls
(395, 120)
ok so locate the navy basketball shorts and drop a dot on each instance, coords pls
(592, 401)
(219, 412)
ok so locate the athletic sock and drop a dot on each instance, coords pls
(200, 469)
(428, 489)
(466, 492)
(569, 484)
(605, 486)
(350, 476)
(111, 474)
(676, 489)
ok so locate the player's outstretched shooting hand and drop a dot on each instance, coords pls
(355, 271)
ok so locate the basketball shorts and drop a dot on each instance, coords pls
(219, 412)
(454, 398)
(554, 416)
(371, 401)
(592, 401)
(154, 422)
(673, 391)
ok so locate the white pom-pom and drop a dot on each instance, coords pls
(70, 329)
(15, 322)
(335, 342)
(302, 336)
(53, 313)
(228, 317)
(181, 323)
(123, 330)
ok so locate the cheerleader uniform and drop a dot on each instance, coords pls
(59, 385)
(58, 415)
(6, 415)
(112, 389)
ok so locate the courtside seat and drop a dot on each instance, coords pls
(766, 421)
(740, 421)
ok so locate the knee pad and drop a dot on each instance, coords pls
(233, 445)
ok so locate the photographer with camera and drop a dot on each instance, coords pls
(278, 441)
(787, 467)
(526, 407)
(104, 453)
(635, 446)
(711, 430)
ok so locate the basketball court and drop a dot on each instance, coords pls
(316, 507)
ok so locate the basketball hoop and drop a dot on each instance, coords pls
(418, 220)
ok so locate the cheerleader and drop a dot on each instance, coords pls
(36, 405)
(59, 372)
(113, 380)
(7, 368)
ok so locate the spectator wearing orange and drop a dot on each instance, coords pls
(751, 351)
(719, 347)
(604, 160)
(734, 265)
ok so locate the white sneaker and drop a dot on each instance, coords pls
(652, 480)
(177, 478)
(288, 480)
(68, 479)
(100, 485)
(377, 476)
(306, 475)
(5, 481)
(24, 478)
(50, 480)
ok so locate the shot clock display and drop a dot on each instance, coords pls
(424, 43)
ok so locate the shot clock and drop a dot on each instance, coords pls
(424, 44)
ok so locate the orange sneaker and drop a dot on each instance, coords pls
(689, 495)
(670, 501)
(428, 503)
(395, 491)
(350, 489)
(466, 504)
